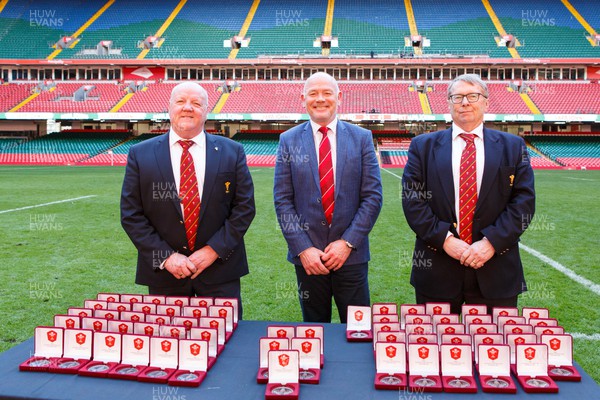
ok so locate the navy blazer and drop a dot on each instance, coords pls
(504, 209)
(297, 193)
(152, 217)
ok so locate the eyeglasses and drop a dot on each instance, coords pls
(471, 98)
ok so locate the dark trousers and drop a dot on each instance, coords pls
(349, 286)
(197, 288)
(471, 294)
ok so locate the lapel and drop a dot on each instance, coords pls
(162, 153)
(442, 153)
(213, 158)
(493, 150)
(341, 142)
(308, 142)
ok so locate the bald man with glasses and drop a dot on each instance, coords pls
(468, 195)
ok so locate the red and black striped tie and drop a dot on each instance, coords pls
(188, 193)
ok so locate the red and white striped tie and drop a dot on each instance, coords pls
(188, 193)
(326, 175)
(468, 188)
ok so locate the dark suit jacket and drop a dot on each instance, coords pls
(151, 211)
(505, 206)
(297, 194)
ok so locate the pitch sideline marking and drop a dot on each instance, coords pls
(585, 336)
(47, 204)
(595, 288)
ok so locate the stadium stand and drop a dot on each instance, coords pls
(570, 151)
(156, 97)
(12, 94)
(566, 98)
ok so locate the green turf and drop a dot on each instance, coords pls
(58, 255)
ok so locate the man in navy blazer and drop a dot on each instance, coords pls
(331, 258)
(446, 268)
(152, 214)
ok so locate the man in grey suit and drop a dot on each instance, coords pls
(328, 196)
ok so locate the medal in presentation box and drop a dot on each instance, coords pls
(457, 338)
(543, 322)
(386, 318)
(179, 301)
(109, 297)
(445, 319)
(509, 320)
(560, 358)
(449, 329)
(504, 312)
(230, 302)
(146, 308)
(194, 311)
(384, 308)
(266, 344)
(135, 357)
(548, 330)
(390, 366)
(150, 298)
(487, 338)
(477, 319)
(201, 301)
(218, 324)
(437, 308)
(48, 347)
(168, 309)
(95, 304)
(309, 351)
(418, 329)
(418, 319)
(482, 329)
(187, 322)
(67, 321)
(106, 355)
(532, 368)
(422, 339)
(313, 331)
(106, 314)
(494, 368)
(530, 312)
(172, 331)
(457, 368)
(132, 298)
(358, 326)
(193, 363)
(512, 340)
(120, 326)
(424, 367)
(133, 316)
(225, 312)
(517, 329)
(118, 306)
(391, 337)
(473, 309)
(163, 360)
(210, 336)
(77, 351)
(145, 328)
(80, 312)
(284, 372)
(410, 309)
(384, 327)
(281, 331)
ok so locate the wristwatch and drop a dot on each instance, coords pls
(349, 245)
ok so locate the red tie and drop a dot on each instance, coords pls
(326, 175)
(468, 188)
(188, 193)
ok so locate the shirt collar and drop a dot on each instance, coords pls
(331, 126)
(456, 130)
(174, 138)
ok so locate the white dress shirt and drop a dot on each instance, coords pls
(331, 134)
(198, 152)
(458, 145)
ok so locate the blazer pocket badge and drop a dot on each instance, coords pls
(512, 179)
(227, 184)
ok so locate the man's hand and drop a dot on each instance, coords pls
(455, 247)
(179, 266)
(311, 261)
(202, 259)
(336, 254)
(477, 254)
